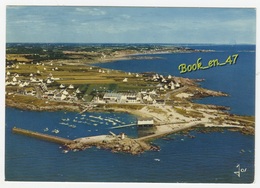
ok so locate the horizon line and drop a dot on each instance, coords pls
(130, 43)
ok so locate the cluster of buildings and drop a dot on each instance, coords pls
(118, 98)
(143, 97)
(33, 86)
(61, 93)
(165, 83)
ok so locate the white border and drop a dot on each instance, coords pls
(135, 3)
(150, 3)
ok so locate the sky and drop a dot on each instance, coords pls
(85, 24)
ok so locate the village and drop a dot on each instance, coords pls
(162, 102)
(43, 85)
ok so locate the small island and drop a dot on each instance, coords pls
(48, 77)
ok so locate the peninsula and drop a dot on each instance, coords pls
(48, 77)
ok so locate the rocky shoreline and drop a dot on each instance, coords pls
(114, 143)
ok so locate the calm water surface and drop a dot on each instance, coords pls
(209, 158)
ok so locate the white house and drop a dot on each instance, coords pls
(145, 122)
(14, 79)
(177, 85)
(49, 81)
(26, 83)
(171, 85)
(125, 80)
(21, 85)
(33, 79)
(163, 80)
(71, 86)
(148, 98)
(78, 91)
(52, 78)
(161, 88)
(153, 92)
(64, 92)
(62, 86)
(59, 97)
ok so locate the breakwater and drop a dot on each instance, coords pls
(115, 143)
(55, 139)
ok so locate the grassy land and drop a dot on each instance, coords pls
(90, 80)
(188, 113)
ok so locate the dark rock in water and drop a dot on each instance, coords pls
(191, 136)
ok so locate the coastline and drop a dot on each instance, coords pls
(165, 114)
(176, 113)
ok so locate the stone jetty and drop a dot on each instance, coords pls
(114, 143)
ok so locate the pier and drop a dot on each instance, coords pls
(55, 139)
(115, 143)
(167, 129)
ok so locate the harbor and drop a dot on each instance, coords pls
(177, 147)
(113, 142)
(120, 142)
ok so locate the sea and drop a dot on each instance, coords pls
(215, 157)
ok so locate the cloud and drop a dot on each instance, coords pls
(117, 24)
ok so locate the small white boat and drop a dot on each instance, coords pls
(62, 123)
(56, 131)
(65, 151)
(46, 129)
(72, 126)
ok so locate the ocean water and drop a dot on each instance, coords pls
(208, 158)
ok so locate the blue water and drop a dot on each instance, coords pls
(237, 80)
(208, 158)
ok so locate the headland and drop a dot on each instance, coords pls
(62, 78)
